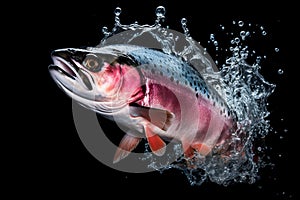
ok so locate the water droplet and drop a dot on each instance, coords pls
(264, 33)
(279, 155)
(185, 29)
(212, 37)
(259, 148)
(280, 71)
(216, 43)
(243, 34)
(241, 23)
(104, 29)
(160, 12)
(233, 22)
(183, 21)
(237, 40)
(261, 28)
(276, 49)
(244, 55)
(258, 59)
(259, 187)
(285, 130)
(118, 11)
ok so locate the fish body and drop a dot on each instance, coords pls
(147, 93)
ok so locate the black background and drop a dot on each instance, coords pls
(58, 163)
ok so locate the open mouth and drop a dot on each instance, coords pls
(76, 73)
(62, 67)
(92, 78)
(66, 71)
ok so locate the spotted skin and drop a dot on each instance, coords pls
(168, 79)
(180, 73)
(149, 93)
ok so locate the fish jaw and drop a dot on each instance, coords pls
(69, 73)
(91, 78)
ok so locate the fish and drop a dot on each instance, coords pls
(148, 93)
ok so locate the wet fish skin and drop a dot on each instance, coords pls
(148, 93)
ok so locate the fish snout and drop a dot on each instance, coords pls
(67, 68)
(70, 54)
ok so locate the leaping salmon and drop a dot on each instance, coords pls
(147, 92)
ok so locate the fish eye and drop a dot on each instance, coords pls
(92, 63)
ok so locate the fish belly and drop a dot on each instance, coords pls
(197, 123)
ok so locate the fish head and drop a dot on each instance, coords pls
(93, 77)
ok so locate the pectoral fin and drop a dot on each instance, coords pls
(156, 121)
(158, 117)
(127, 144)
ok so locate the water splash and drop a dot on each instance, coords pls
(239, 82)
(118, 27)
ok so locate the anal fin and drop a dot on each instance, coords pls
(189, 152)
(187, 149)
(201, 148)
(127, 144)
